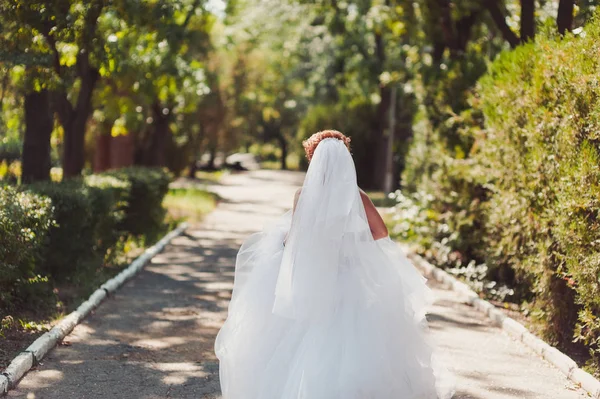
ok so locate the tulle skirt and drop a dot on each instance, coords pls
(373, 345)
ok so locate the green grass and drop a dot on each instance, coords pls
(212, 177)
(189, 203)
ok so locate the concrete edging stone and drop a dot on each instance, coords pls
(35, 352)
(512, 327)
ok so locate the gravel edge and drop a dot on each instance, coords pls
(512, 327)
(31, 356)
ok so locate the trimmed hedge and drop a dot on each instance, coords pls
(521, 196)
(60, 230)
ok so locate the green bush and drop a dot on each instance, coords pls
(25, 219)
(519, 190)
(92, 214)
(541, 151)
(71, 245)
(144, 213)
(108, 196)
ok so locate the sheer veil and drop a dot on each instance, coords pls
(328, 227)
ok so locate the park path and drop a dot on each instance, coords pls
(154, 338)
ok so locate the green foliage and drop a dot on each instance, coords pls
(516, 190)
(10, 150)
(99, 210)
(144, 213)
(544, 176)
(356, 120)
(25, 219)
(108, 197)
(71, 247)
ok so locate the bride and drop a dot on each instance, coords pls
(324, 304)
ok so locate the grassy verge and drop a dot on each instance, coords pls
(189, 203)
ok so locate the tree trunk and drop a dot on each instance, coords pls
(74, 119)
(564, 18)
(193, 168)
(500, 21)
(284, 151)
(38, 129)
(527, 20)
(379, 143)
(160, 136)
(212, 150)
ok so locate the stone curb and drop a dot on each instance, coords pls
(515, 329)
(31, 356)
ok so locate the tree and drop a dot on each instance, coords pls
(27, 65)
(79, 24)
(69, 30)
(155, 54)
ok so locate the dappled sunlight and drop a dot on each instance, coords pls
(160, 343)
(41, 379)
(179, 373)
(84, 333)
(73, 361)
(215, 287)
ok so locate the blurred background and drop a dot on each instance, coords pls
(484, 113)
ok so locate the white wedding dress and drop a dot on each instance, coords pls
(332, 314)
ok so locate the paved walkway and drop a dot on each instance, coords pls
(154, 338)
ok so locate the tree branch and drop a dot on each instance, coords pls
(87, 73)
(500, 21)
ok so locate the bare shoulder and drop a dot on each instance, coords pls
(364, 196)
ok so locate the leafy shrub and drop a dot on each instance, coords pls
(144, 213)
(541, 153)
(92, 214)
(71, 245)
(108, 200)
(25, 219)
(520, 192)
